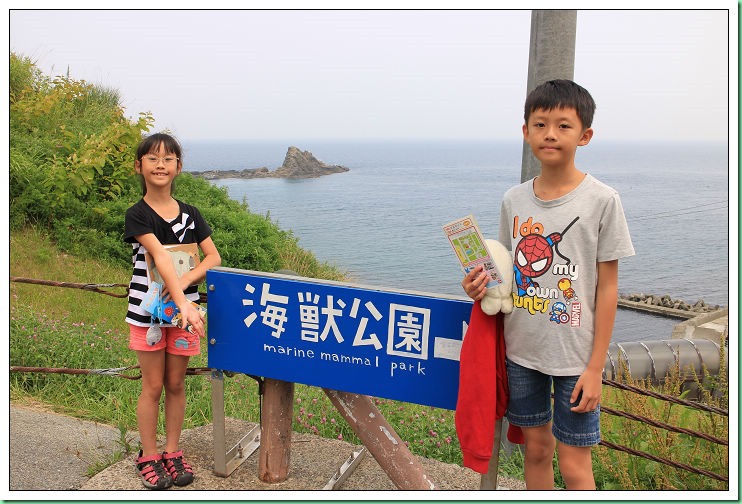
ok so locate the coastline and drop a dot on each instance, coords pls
(297, 164)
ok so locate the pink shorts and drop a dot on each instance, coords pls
(174, 340)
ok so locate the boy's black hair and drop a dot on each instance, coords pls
(151, 144)
(561, 93)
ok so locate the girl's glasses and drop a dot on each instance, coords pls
(167, 160)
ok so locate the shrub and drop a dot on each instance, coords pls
(71, 171)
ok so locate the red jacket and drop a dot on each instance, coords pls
(483, 389)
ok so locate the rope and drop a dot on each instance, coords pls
(116, 372)
(661, 460)
(661, 425)
(676, 400)
(84, 286)
(72, 371)
(88, 287)
(198, 371)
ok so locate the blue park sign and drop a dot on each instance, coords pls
(372, 341)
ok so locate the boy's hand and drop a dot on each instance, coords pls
(475, 283)
(588, 390)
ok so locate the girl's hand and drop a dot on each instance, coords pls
(475, 283)
(184, 284)
(190, 315)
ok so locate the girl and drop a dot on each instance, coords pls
(163, 350)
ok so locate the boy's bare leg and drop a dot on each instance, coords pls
(576, 466)
(538, 468)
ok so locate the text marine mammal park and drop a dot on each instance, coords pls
(372, 341)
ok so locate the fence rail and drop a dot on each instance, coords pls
(119, 372)
(665, 426)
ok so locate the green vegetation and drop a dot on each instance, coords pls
(57, 327)
(621, 471)
(72, 174)
(71, 180)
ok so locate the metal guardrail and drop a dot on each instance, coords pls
(654, 360)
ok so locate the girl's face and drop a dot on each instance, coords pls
(158, 168)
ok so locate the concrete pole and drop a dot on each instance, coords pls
(551, 56)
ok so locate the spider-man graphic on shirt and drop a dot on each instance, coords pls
(533, 257)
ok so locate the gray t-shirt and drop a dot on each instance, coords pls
(556, 246)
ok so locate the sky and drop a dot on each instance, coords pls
(387, 74)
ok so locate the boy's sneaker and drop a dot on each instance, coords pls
(152, 472)
(180, 471)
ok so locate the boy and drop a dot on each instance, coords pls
(567, 232)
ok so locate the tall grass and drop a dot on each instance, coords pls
(619, 470)
(59, 327)
(71, 328)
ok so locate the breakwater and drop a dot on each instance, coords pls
(666, 305)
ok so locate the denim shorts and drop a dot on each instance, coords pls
(530, 406)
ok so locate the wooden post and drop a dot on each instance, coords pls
(277, 413)
(276, 417)
(381, 440)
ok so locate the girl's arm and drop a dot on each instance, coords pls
(606, 302)
(211, 259)
(167, 271)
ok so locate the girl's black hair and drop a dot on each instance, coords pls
(562, 93)
(151, 144)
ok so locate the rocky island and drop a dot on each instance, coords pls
(297, 164)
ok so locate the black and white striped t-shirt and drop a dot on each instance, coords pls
(188, 227)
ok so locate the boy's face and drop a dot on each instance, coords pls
(554, 135)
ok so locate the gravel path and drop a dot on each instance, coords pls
(49, 451)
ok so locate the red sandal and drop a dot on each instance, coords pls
(152, 472)
(180, 471)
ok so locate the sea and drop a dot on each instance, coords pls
(381, 221)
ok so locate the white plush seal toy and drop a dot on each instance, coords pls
(499, 298)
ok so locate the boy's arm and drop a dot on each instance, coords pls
(606, 301)
(475, 283)
(167, 271)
